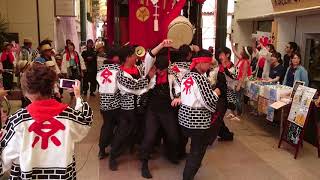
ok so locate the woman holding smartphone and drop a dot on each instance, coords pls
(39, 140)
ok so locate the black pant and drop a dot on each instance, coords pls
(7, 80)
(200, 139)
(224, 131)
(126, 132)
(199, 142)
(108, 129)
(90, 77)
(154, 122)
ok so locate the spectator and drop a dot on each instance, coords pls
(277, 70)
(290, 48)
(90, 59)
(296, 72)
(8, 61)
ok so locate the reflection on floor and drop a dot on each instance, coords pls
(253, 155)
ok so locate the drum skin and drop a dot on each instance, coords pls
(180, 31)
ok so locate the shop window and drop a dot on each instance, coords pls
(265, 26)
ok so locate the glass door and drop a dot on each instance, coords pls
(312, 59)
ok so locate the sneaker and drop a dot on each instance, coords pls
(145, 172)
(228, 137)
(102, 155)
(113, 165)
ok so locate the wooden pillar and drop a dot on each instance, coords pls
(221, 25)
(195, 18)
(117, 22)
(83, 20)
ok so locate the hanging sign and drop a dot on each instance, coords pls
(64, 8)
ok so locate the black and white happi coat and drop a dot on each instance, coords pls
(174, 85)
(180, 68)
(108, 88)
(198, 101)
(132, 89)
(40, 154)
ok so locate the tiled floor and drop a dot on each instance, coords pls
(253, 155)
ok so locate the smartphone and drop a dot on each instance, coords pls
(67, 83)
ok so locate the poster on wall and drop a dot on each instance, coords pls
(300, 105)
(263, 37)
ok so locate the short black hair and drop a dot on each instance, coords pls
(89, 41)
(112, 52)
(294, 46)
(46, 41)
(204, 53)
(277, 55)
(184, 51)
(162, 62)
(225, 50)
(125, 52)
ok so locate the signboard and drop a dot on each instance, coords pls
(65, 8)
(300, 105)
(286, 5)
(294, 129)
(295, 87)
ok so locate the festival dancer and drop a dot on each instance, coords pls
(109, 101)
(227, 68)
(160, 115)
(133, 82)
(199, 102)
(181, 67)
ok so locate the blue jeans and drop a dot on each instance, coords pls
(239, 101)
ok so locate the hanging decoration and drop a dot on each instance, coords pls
(143, 14)
(156, 15)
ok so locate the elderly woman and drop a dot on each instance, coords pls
(39, 140)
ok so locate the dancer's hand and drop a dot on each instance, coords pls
(152, 72)
(217, 91)
(176, 102)
(77, 89)
(167, 43)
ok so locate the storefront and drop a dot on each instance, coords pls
(287, 21)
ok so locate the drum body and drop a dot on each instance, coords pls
(180, 31)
